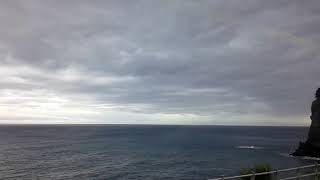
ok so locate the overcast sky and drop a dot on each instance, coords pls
(232, 62)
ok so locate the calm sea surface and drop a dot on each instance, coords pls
(142, 152)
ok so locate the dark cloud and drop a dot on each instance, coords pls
(204, 58)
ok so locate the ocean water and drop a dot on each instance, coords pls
(143, 152)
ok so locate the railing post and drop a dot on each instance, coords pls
(253, 176)
(276, 176)
(316, 172)
(298, 173)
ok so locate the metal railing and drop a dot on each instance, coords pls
(309, 171)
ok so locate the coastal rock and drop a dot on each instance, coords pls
(311, 147)
(307, 149)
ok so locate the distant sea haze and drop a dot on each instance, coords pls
(120, 152)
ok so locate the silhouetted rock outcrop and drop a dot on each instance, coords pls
(312, 146)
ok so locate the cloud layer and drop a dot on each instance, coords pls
(160, 62)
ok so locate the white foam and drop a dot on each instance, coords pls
(286, 155)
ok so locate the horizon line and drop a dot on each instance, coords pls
(115, 124)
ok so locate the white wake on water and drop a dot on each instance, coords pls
(249, 147)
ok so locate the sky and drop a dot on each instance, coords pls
(204, 62)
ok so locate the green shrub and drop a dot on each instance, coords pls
(257, 169)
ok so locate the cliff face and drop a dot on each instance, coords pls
(307, 149)
(312, 146)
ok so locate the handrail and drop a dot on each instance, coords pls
(276, 172)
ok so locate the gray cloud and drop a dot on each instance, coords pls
(204, 58)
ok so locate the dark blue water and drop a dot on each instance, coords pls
(142, 152)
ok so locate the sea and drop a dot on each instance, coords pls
(134, 152)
